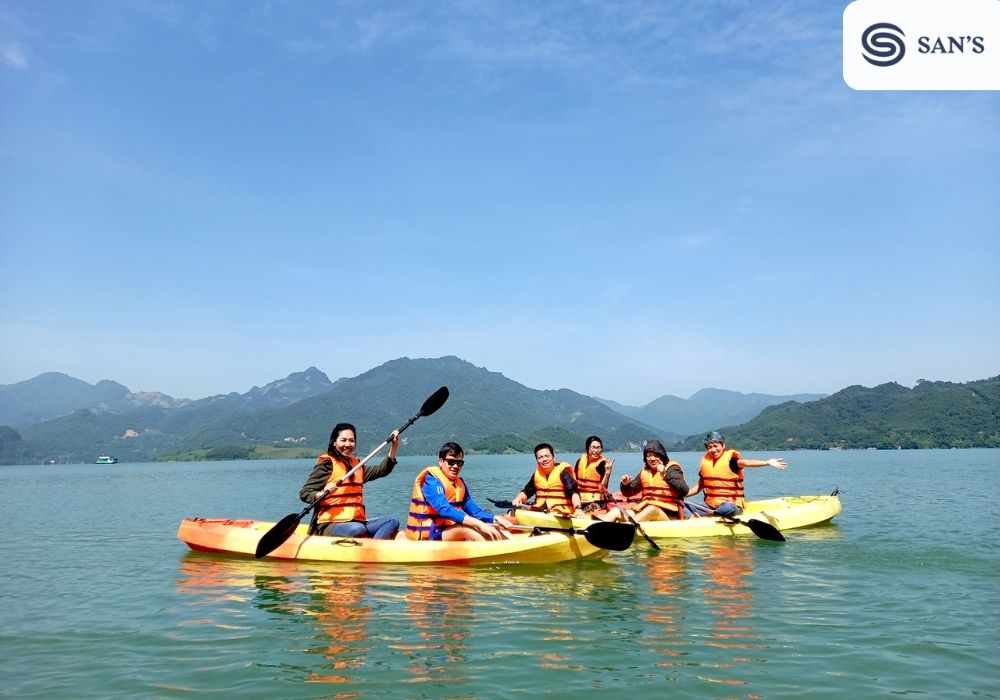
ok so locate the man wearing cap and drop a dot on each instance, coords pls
(721, 475)
(660, 485)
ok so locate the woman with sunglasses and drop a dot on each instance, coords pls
(441, 507)
(341, 513)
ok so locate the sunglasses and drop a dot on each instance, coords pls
(454, 462)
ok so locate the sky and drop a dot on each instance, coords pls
(626, 199)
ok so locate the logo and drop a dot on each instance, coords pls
(946, 45)
(882, 44)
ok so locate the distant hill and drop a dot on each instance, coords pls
(888, 416)
(487, 412)
(482, 406)
(51, 395)
(300, 411)
(133, 427)
(705, 410)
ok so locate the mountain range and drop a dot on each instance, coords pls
(55, 417)
(888, 416)
(704, 410)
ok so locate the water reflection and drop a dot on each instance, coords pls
(729, 596)
(412, 624)
(439, 606)
(332, 602)
(688, 610)
(665, 606)
(340, 610)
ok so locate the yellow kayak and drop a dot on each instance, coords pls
(240, 538)
(786, 513)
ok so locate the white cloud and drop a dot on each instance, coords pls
(14, 56)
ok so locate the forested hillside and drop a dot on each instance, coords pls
(889, 416)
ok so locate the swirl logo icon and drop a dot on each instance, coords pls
(882, 44)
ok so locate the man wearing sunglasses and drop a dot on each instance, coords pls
(441, 507)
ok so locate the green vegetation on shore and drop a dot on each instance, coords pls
(225, 453)
(889, 416)
(486, 412)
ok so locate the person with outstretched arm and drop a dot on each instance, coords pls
(721, 476)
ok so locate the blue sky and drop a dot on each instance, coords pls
(625, 199)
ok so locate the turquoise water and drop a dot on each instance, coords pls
(897, 598)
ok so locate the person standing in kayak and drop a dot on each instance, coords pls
(553, 485)
(592, 472)
(341, 512)
(660, 485)
(442, 508)
(721, 475)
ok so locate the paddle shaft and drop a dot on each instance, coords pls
(322, 494)
(614, 536)
(761, 528)
(283, 529)
(623, 507)
(433, 403)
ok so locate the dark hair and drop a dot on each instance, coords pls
(715, 436)
(450, 448)
(542, 446)
(593, 438)
(334, 434)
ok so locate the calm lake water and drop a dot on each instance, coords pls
(898, 597)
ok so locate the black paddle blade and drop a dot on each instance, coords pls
(506, 505)
(764, 530)
(434, 401)
(614, 536)
(276, 536)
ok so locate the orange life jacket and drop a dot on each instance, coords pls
(658, 492)
(345, 502)
(588, 480)
(721, 483)
(422, 515)
(549, 492)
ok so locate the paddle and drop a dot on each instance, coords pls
(284, 528)
(623, 507)
(761, 528)
(614, 536)
(613, 532)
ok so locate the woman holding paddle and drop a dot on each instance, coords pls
(338, 483)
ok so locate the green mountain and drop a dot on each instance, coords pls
(51, 395)
(704, 410)
(889, 416)
(486, 412)
(482, 407)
